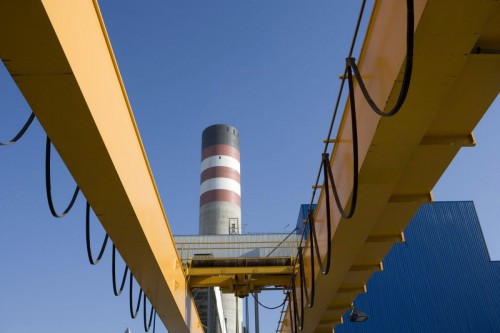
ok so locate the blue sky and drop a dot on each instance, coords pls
(268, 68)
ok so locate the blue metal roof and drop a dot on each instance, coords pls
(441, 279)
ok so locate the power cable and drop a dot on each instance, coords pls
(133, 313)
(298, 319)
(282, 241)
(20, 133)
(48, 185)
(154, 322)
(326, 168)
(87, 239)
(269, 307)
(309, 294)
(351, 64)
(116, 291)
(147, 326)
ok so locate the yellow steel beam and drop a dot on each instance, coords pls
(59, 55)
(228, 281)
(240, 280)
(401, 158)
(210, 271)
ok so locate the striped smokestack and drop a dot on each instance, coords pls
(220, 190)
(220, 200)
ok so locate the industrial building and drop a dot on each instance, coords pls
(440, 279)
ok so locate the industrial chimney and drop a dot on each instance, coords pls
(220, 190)
(220, 200)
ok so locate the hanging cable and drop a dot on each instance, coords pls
(337, 104)
(116, 291)
(351, 63)
(326, 171)
(269, 307)
(21, 132)
(328, 174)
(282, 241)
(298, 319)
(309, 294)
(48, 186)
(291, 310)
(147, 326)
(133, 313)
(87, 239)
(154, 322)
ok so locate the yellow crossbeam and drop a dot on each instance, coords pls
(228, 281)
(59, 55)
(402, 158)
(210, 271)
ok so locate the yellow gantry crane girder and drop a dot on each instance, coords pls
(401, 158)
(60, 57)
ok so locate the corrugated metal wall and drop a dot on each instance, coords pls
(302, 218)
(440, 280)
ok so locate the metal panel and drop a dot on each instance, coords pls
(302, 218)
(237, 246)
(440, 279)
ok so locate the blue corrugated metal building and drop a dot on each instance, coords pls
(302, 218)
(440, 280)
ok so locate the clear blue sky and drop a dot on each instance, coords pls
(268, 68)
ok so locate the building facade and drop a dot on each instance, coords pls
(441, 279)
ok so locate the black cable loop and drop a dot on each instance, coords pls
(292, 310)
(147, 326)
(21, 132)
(268, 307)
(309, 295)
(48, 186)
(327, 170)
(154, 322)
(133, 313)
(339, 97)
(351, 63)
(113, 273)
(298, 319)
(323, 269)
(87, 239)
(337, 105)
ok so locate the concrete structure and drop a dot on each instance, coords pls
(441, 279)
(220, 190)
(220, 199)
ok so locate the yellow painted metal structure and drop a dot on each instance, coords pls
(240, 280)
(402, 158)
(227, 263)
(59, 55)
